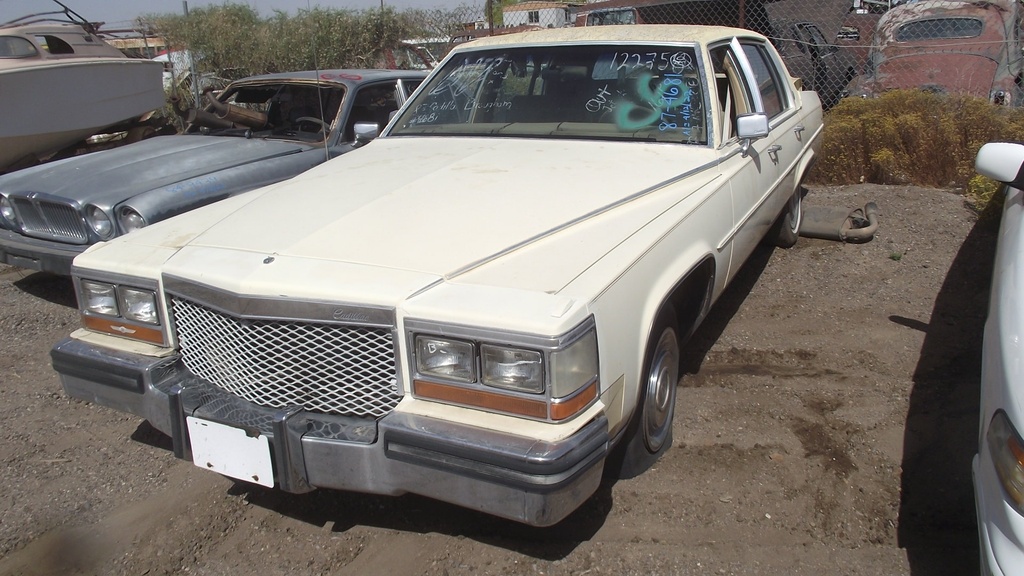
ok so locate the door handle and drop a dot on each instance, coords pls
(798, 130)
(773, 152)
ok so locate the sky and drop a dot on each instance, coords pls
(120, 13)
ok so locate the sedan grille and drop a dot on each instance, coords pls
(323, 367)
(50, 220)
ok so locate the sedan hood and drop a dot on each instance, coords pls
(462, 203)
(129, 170)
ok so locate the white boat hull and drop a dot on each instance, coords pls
(51, 105)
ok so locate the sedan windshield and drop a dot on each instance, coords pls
(628, 92)
(303, 111)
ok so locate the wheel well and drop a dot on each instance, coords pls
(691, 297)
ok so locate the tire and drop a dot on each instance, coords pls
(649, 432)
(786, 229)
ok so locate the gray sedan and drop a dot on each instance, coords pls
(258, 131)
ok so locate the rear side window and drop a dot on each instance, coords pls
(940, 28)
(769, 82)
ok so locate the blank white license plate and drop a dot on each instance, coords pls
(229, 451)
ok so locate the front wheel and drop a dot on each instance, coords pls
(786, 229)
(649, 432)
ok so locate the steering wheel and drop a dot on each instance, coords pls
(324, 127)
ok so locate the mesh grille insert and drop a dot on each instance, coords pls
(325, 368)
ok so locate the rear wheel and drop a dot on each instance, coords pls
(649, 432)
(786, 229)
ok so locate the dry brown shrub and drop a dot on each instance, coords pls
(911, 137)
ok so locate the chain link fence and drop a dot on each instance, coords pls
(839, 47)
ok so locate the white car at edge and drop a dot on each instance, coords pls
(999, 464)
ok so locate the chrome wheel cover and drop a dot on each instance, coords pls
(659, 396)
(795, 212)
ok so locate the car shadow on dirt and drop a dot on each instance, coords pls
(50, 287)
(728, 304)
(410, 513)
(342, 511)
(937, 522)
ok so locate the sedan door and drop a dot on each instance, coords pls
(762, 175)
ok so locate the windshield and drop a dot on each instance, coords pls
(647, 93)
(288, 111)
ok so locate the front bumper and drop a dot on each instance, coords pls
(36, 254)
(1000, 526)
(534, 482)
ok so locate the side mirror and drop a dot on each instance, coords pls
(366, 131)
(1003, 162)
(750, 127)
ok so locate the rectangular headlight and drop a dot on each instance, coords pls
(140, 305)
(446, 358)
(99, 298)
(512, 368)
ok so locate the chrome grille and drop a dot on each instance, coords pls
(325, 368)
(50, 220)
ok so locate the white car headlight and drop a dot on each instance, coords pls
(512, 368)
(99, 298)
(7, 210)
(99, 222)
(121, 310)
(446, 358)
(1007, 450)
(548, 378)
(131, 220)
(140, 305)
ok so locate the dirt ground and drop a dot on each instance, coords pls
(825, 425)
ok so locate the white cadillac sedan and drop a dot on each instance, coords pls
(487, 304)
(999, 464)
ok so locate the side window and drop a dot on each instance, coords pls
(372, 104)
(733, 94)
(15, 47)
(769, 82)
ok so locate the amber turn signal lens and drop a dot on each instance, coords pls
(118, 327)
(481, 399)
(572, 406)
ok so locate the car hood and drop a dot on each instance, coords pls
(461, 204)
(123, 172)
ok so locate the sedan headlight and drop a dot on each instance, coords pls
(446, 358)
(1007, 450)
(99, 222)
(512, 368)
(121, 310)
(7, 211)
(140, 305)
(131, 220)
(99, 298)
(539, 377)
